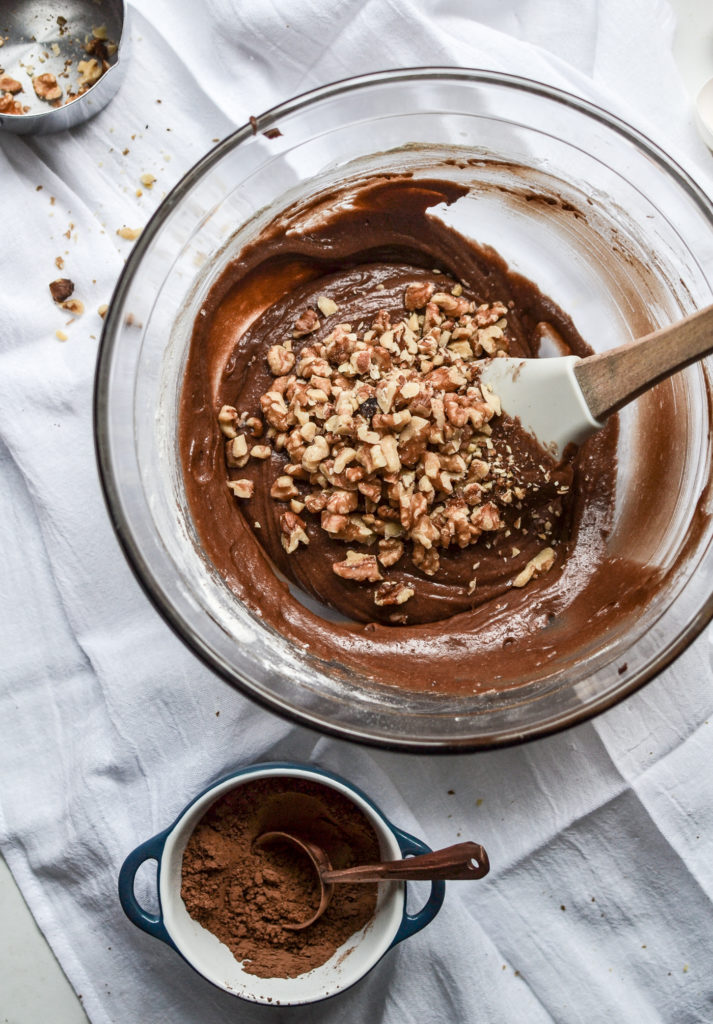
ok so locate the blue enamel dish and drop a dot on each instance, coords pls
(172, 924)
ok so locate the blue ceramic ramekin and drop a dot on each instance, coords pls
(204, 952)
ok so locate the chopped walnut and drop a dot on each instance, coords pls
(315, 502)
(90, 71)
(428, 561)
(359, 567)
(236, 452)
(283, 489)
(97, 48)
(390, 551)
(242, 488)
(10, 85)
(451, 304)
(61, 289)
(478, 469)
(344, 457)
(342, 502)
(386, 428)
(486, 517)
(315, 454)
(9, 105)
(46, 87)
(228, 419)
(473, 493)
(393, 593)
(306, 323)
(293, 531)
(327, 306)
(418, 294)
(280, 360)
(541, 563)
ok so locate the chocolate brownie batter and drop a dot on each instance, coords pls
(362, 249)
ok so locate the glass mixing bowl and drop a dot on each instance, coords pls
(600, 218)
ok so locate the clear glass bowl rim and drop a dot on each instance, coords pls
(110, 336)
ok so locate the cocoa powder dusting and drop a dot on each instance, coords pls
(245, 895)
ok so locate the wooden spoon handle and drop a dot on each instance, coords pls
(464, 860)
(611, 379)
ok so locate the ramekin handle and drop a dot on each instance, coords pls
(153, 924)
(412, 923)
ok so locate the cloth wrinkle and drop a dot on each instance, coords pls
(143, 16)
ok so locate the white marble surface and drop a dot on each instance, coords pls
(33, 987)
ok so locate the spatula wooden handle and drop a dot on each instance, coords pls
(611, 379)
(464, 860)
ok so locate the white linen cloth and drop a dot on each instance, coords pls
(598, 907)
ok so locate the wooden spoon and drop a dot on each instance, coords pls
(565, 399)
(462, 861)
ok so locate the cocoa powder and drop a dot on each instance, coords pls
(245, 894)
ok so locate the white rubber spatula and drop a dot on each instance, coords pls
(566, 399)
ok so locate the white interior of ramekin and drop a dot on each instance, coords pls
(211, 958)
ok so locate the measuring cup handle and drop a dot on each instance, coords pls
(153, 924)
(412, 923)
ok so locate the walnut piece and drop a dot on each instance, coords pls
(418, 294)
(393, 593)
(227, 419)
(427, 560)
(453, 305)
(293, 531)
(97, 48)
(46, 87)
(236, 452)
(9, 105)
(306, 323)
(11, 85)
(61, 289)
(280, 360)
(90, 71)
(359, 567)
(342, 502)
(242, 488)
(327, 306)
(541, 563)
(390, 551)
(283, 489)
